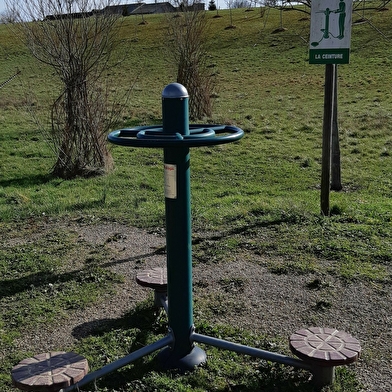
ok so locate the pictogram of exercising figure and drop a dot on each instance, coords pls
(342, 18)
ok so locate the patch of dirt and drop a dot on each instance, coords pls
(239, 291)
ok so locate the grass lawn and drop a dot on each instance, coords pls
(265, 187)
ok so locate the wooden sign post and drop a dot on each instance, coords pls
(330, 36)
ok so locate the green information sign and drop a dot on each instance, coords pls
(330, 31)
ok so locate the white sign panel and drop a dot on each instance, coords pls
(170, 181)
(330, 31)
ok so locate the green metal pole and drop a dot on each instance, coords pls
(183, 354)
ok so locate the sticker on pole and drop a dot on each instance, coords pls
(330, 32)
(170, 181)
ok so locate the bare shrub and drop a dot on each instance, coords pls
(76, 38)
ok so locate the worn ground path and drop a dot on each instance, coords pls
(239, 291)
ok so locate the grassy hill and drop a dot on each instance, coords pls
(266, 185)
(264, 84)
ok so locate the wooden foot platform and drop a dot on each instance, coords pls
(325, 346)
(323, 349)
(49, 372)
(154, 278)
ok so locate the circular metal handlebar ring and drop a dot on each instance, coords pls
(153, 136)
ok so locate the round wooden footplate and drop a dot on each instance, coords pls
(325, 346)
(155, 278)
(49, 372)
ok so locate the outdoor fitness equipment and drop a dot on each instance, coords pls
(176, 136)
(320, 349)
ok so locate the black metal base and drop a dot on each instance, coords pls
(195, 358)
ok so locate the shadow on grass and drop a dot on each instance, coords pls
(11, 287)
(236, 372)
(144, 324)
(270, 220)
(27, 181)
(145, 317)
